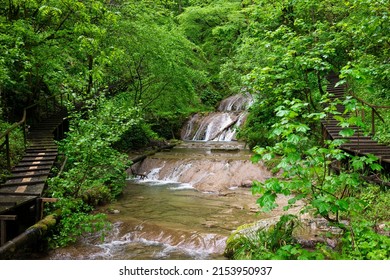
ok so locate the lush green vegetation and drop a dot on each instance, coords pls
(126, 69)
(134, 71)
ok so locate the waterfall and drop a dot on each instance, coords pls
(220, 125)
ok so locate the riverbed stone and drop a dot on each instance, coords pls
(246, 184)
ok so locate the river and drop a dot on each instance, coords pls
(191, 199)
(166, 217)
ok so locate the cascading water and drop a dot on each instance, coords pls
(191, 199)
(220, 125)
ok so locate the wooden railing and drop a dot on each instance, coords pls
(57, 101)
(374, 112)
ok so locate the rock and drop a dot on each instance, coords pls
(113, 211)
(246, 184)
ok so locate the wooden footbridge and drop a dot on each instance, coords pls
(21, 194)
(361, 143)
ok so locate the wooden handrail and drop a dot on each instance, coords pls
(22, 122)
(373, 107)
(15, 125)
(374, 110)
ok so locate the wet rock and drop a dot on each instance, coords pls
(246, 184)
(383, 229)
(113, 211)
(309, 232)
(205, 174)
(210, 224)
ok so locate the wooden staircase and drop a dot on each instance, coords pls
(20, 194)
(360, 143)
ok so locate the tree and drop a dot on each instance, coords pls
(214, 26)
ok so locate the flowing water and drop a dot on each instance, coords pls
(186, 213)
(191, 199)
(220, 125)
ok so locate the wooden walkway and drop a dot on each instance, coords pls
(358, 144)
(20, 195)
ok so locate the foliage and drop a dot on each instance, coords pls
(138, 68)
(157, 66)
(119, 61)
(361, 242)
(286, 51)
(276, 242)
(95, 172)
(16, 145)
(92, 162)
(138, 137)
(46, 47)
(306, 175)
(375, 205)
(75, 221)
(84, 48)
(305, 167)
(214, 26)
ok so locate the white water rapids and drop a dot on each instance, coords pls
(220, 125)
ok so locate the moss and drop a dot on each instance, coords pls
(46, 223)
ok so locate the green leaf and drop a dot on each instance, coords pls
(293, 138)
(357, 164)
(267, 201)
(302, 128)
(376, 167)
(342, 204)
(268, 156)
(347, 132)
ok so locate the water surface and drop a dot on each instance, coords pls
(165, 220)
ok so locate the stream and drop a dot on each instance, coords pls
(189, 200)
(178, 214)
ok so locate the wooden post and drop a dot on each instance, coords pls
(8, 152)
(40, 203)
(47, 108)
(372, 121)
(3, 227)
(25, 132)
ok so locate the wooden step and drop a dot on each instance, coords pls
(38, 158)
(23, 190)
(25, 181)
(38, 154)
(35, 163)
(28, 168)
(42, 150)
(26, 174)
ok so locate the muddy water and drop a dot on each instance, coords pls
(187, 206)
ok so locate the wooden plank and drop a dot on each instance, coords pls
(3, 232)
(21, 189)
(49, 199)
(31, 190)
(3, 227)
(11, 201)
(7, 203)
(8, 217)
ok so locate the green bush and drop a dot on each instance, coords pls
(16, 143)
(336, 196)
(95, 173)
(276, 242)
